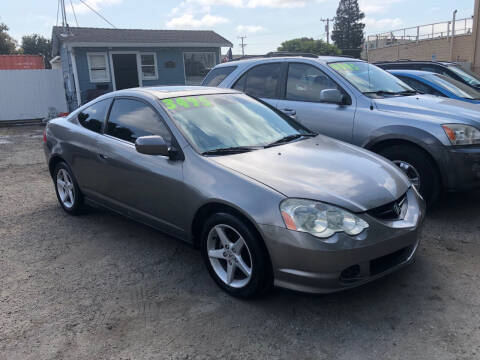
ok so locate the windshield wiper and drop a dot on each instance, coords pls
(289, 138)
(408, 92)
(393, 93)
(380, 92)
(231, 150)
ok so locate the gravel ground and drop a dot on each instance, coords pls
(100, 286)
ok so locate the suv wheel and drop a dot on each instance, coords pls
(68, 193)
(418, 167)
(235, 257)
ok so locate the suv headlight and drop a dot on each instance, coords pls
(461, 134)
(319, 219)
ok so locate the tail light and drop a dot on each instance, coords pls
(62, 114)
(45, 135)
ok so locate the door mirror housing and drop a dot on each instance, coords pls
(152, 145)
(333, 96)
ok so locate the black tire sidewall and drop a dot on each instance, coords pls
(430, 184)
(78, 202)
(260, 281)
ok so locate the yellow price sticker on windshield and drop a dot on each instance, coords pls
(186, 102)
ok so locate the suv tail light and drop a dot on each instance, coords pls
(45, 135)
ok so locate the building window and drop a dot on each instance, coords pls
(148, 62)
(98, 67)
(197, 66)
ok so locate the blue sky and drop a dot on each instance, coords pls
(266, 23)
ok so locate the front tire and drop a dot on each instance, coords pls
(66, 188)
(235, 256)
(419, 168)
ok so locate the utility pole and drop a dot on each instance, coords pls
(327, 27)
(242, 45)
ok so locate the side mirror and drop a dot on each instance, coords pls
(152, 145)
(333, 96)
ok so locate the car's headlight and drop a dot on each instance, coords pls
(319, 219)
(461, 134)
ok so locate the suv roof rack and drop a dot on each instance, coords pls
(273, 54)
(288, 53)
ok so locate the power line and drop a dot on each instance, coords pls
(96, 12)
(242, 45)
(74, 15)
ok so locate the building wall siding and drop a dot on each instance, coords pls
(166, 76)
(427, 50)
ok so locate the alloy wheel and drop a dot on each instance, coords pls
(229, 256)
(65, 188)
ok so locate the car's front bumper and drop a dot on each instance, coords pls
(303, 262)
(463, 168)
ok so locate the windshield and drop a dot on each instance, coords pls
(454, 86)
(467, 76)
(223, 121)
(371, 80)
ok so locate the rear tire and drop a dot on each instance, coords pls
(68, 194)
(415, 161)
(220, 239)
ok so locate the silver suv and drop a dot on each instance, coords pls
(436, 141)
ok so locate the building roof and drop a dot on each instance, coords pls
(83, 36)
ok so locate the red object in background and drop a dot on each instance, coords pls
(21, 62)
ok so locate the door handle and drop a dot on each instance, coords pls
(103, 157)
(290, 112)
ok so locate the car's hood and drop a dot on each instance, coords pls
(435, 108)
(323, 169)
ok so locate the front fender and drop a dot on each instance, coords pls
(409, 134)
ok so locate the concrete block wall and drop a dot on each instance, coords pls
(436, 49)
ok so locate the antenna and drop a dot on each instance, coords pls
(242, 45)
(66, 30)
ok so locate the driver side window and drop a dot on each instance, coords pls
(305, 82)
(130, 119)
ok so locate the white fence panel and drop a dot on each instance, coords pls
(28, 94)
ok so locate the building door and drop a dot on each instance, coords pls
(125, 70)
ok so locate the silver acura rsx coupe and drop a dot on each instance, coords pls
(267, 201)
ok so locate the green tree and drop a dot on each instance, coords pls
(37, 45)
(7, 44)
(348, 29)
(309, 45)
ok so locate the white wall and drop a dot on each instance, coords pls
(28, 94)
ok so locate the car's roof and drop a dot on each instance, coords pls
(404, 62)
(418, 73)
(164, 92)
(322, 59)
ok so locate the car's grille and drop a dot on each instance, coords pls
(392, 211)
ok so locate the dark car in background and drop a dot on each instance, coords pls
(450, 69)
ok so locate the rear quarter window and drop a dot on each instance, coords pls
(93, 117)
(216, 76)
